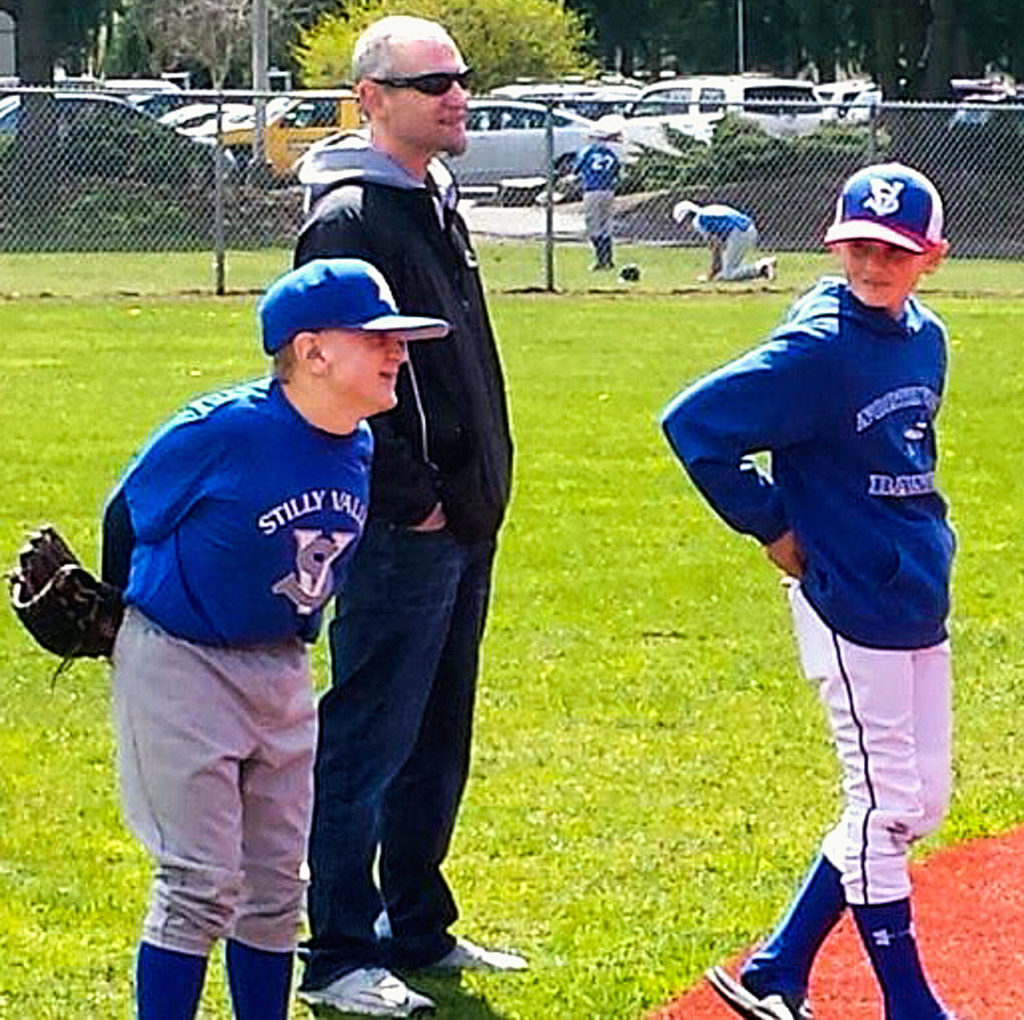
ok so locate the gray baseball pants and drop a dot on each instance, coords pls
(737, 245)
(215, 754)
(597, 212)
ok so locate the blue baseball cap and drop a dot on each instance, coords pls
(337, 294)
(888, 202)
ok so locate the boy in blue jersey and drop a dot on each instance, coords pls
(844, 396)
(730, 235)
(228, 534)
(597, 168)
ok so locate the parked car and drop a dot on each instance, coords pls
(977, 89)
(156, 104)
(985, 108)
(603, 102)
(647, 120)
(507, 138)
(8, 114)
(96, 135)
(291, 125)
(851, 100)
(156, 96)
(782, 107)
(588, 100)
(240, 117)
(201, 118)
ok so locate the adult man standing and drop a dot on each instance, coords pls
(395, 726)
(730, 235)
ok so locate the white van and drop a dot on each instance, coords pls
(783, 107)
(853, 100)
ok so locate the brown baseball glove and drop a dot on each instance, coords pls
(68, 610)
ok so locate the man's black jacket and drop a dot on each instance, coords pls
(448, 438)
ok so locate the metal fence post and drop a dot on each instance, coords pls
(549, 200)
(218, 200)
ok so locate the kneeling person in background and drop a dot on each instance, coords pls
(730, 235)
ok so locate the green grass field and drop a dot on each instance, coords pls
(650, 774)
(512, 266)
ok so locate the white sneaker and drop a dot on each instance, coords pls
(744, 1002)
(768, 268)
(466, 955)
(369, 991)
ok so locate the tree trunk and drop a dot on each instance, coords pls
(884, 47)
(817, 27)
(897, 40)
(34, 40)
(32, 193)
(942, 50)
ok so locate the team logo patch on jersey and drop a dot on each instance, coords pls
(310, 585)
(884, 199)
(902, 486)
(897, 400)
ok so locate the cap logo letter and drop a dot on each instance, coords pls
(885, 196)
(383, 290)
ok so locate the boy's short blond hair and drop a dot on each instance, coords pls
(284, 363)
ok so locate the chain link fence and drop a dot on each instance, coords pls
(87, 171)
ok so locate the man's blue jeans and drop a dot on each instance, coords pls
(393, 751)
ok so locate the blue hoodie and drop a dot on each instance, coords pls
(844, 397)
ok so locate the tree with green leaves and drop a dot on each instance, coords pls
(911, 47)
(212, 38)
(212, 32)
(501, 39)
(629, 36)
(968, 37)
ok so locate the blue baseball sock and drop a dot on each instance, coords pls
(168, 983)
(888, 937)
(783, 964)
(260, 981)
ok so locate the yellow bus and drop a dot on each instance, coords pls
(292, 126)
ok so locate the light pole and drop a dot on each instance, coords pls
(740, 62)
(259, 78)
(260, 32)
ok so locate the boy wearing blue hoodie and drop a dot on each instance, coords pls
(844, 396)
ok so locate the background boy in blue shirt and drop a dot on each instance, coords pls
(597, 168)
(844, 396)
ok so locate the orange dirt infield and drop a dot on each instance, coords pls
(969, 915)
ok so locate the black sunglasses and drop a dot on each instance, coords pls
(433, 83)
